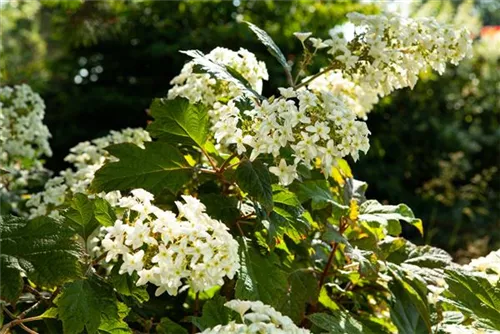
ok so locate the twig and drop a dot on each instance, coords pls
(29, 330)
(99, 258)
(25, 312)
(34, 291)
(196, 307)
(289, 78)
(212, 163)
(239, 228)
(6, 328)
(235, 164)
(328, 265)
(304, 83)
(208, 171)
(223, 166)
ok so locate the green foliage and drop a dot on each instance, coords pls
(271, 46)
(388, 216)
(167, 326)
(260, 277)
(90, 305)
(476, 297)
(103, 212)
(157, 167)
(220, 71)
(409, 310)
(178, 121)
(214, 313)
(302, 290)
(80, 215)
(31, 247)
(253, 178)
(287, 217)
(338, 322)
(125, 285)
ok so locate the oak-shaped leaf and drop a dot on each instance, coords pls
(46, 251)
(157, 167)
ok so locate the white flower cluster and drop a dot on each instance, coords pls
(387, 53)
(319, 128)
(171, 251)
(487, 266)
(201, 87)
(23, 136)
(360, 100)
(87, 157)
(262, 319)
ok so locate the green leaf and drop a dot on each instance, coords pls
(355, 189)
(317, 191)
(339, 322)
(221, 207)
(11, 282)
(125, 285)
(157, 167)
(409, 308)
(273, 49)
(302, 289)
(90, 305)
(112, 319)
(179, 121)
(388, 215)
(79, 306)
(221, 71)
(104, 212)
(45, 250)
(287, 217)
(167, 326)
(214, 313)
(254, 179)
(368, 265)
(428, 256)
(260, 278)
(80, 215)
(475, 296)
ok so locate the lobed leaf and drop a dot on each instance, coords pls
(179, 121)
(260, 278)
(157, 167)
(388, 216)
(43, 249)
(214, 313)
(253, 178)
(80, 215)
(89, 305)
(475, 296)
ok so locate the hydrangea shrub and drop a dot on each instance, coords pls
(236, 213)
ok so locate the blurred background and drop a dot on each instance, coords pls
(98, 64)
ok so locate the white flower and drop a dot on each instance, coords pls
(132, 262)
(285, 173)
(302, 36)
(287, 93)
(318, 43)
